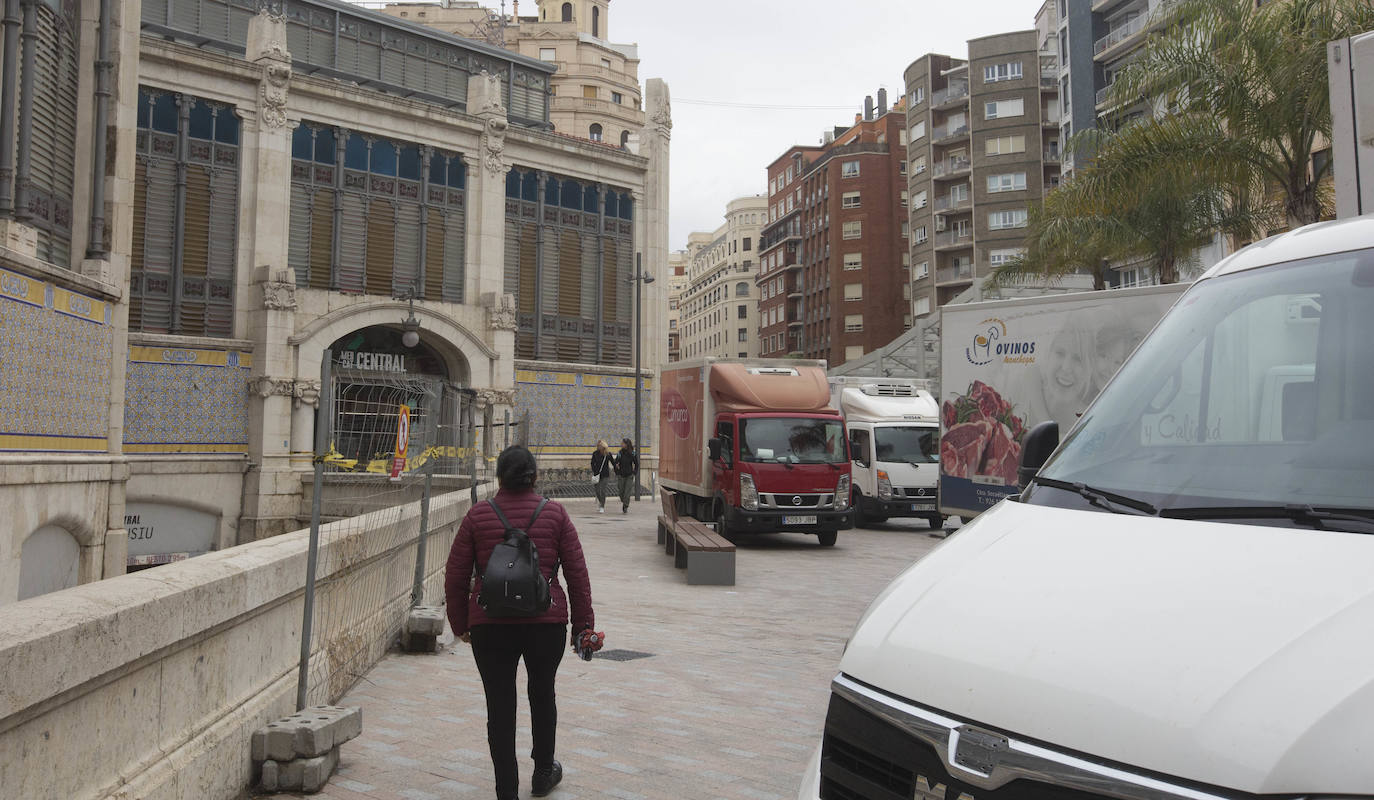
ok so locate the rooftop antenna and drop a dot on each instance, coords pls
(492, 28)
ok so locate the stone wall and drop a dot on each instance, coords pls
(178, 665)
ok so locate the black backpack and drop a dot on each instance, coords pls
(512, 585)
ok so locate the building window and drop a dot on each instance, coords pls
(1001, 109)
(849, 200)
(748, 245)
(596, 23)
(185, 254)
(624, 138)
(918, 131)
(853, 352)
(1004, 145)
(849, 169)
(589, 92)
(905, 198)
(852, 230)
(918, 165)
(922, 305)
(742, 312)
(920, 233)
(918, 95)
(901, 137)
(1001, 220)
(789, 176)
(853, 261)
(922, 270)
(567, 12)
(853, 323)
(920, 199)
(594, 132)
(853, 291)
(617, 98)
(741, 290)
(999, 257)
(548, 54)
(1009, 71)
(1007, 182)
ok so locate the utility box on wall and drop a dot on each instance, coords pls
(1350, 71)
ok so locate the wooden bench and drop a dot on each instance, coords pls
(708, 557)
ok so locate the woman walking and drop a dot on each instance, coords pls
(498, 644)
(627, 472)
(602, 463)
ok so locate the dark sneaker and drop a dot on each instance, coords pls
(545, 779)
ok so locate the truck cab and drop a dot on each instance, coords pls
(894, 443)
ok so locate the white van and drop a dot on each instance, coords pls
(894, 443)
(1181, 602)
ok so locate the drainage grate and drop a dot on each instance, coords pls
(622, 655)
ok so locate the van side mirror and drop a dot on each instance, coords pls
(1036, 448)
(713, 448)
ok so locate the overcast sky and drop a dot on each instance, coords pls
(725, 61)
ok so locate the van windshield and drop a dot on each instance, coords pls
(909, 443)
(793, 440)
(1257, 389)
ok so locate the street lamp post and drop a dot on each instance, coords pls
(640, 278)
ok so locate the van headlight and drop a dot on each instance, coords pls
(842, 494)
(748, 495)
(884, 485)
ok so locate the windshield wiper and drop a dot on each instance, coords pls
(1311, 516)
(1105, 500)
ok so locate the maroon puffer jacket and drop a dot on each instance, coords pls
(553, 533)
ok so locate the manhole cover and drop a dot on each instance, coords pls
(622, 655)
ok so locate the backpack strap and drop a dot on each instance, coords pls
(505, 522)
(543, 501)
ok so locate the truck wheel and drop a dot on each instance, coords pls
(721, 528)
(827, 538)
(936, 521)
(856, 502)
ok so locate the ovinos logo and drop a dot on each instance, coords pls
(991, 341)
(676, 413)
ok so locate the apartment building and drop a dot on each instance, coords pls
(676, 275)
(595, 93)
(834, 263)
(983, 142)
(719, 307)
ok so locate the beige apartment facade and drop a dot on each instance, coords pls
(719, 306)
(595, 92)
(983, 143)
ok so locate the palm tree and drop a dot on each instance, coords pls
(1246, 90)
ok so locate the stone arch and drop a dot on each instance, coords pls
(51, 557)
(567, 12)
(468, 359)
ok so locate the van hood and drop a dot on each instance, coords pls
(1233, 655)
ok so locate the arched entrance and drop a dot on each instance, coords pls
(49, 560)
(373, 375)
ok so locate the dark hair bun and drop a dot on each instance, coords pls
(516, 468)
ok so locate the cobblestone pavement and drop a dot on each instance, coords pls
(727, 701)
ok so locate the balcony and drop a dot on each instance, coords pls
(953, 239)
(949, 133)
(950, 167)
(962, 273)
(1051, 156)
(952, 203)
(1121, 34)
(952, 94)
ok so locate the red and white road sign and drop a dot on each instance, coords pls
(398, 462)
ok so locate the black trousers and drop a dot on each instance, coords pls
(497, 649)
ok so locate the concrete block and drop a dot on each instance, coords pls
(309, 733)
(308, 775)
(279, 740)
(711, 568)
(271, 776)
(426, 620)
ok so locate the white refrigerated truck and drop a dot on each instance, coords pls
(894, 442)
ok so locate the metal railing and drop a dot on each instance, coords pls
(1119, 35)
(1051, 156)
(948, 202)
(949, 94)
(947, 238)
(962, 272)
(950, 166)
(946, 132)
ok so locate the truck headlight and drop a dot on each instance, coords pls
(842, 494)
(884, 485)
(748, 495)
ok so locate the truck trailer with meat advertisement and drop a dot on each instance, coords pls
(754, 446)
(1007, 365)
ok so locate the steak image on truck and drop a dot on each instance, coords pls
(1180, 604)
(754, 446)
(1007, 365)
(894, 444)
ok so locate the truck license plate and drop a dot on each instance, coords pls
(810, 520)
(922, 506)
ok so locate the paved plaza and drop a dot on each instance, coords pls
(722, 692)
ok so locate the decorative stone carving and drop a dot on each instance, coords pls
(485, 102)
(267, 35)
(489, 96)
(307, 393)
(501, 312)
(272, 94)
(279, 296)
(494, 146)
(663, 119)
(489, 398)
(264, 386)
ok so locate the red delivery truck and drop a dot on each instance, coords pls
(754, 446)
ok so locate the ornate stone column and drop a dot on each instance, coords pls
(272, 491)
(652, 239)
(486, 251)
(306, 400)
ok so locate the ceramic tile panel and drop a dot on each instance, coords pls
(569, 411)
(186, 401)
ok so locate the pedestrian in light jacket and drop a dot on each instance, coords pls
(499, 644)
(603, 461)
(626, 472)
